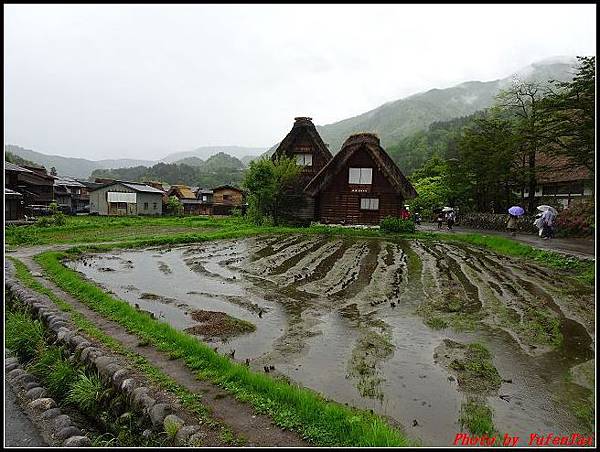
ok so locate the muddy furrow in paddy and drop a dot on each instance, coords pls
(307, 264)
(513, 300)
(385, 281)
(343, 273)
(258, 429)
(267, 265)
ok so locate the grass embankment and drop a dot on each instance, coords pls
(188, 399)
(93, 229)
(73, 386)
(318, 420)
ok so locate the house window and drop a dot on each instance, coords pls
(360, 176)
(304, 159)
(145, 206)
(369, 204)
(204, 198)
(226, 197)
(155, 206)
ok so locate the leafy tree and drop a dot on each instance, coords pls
(487, 161)
(53, 171)
(174, 206)
(569, 115)
(274, 194)
(433, 194)
(523, 100)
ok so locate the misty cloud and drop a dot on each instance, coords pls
(140, 81)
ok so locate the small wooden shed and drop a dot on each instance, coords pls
(361, 184)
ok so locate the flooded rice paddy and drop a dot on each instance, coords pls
(365, 322)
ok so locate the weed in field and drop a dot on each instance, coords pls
(477, 418)
(171, 429)
(23, 336)
(61, 376)
(87, 392)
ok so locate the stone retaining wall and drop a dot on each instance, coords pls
(56, 427)
(141, 398)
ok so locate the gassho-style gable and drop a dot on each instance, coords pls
(303, 128)
(385, 164)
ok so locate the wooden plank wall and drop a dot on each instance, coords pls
(340, 202)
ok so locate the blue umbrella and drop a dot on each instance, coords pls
(517, 211)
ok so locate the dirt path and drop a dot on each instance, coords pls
(578, 247)
(258, 430)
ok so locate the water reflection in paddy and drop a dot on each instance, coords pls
(323, 308)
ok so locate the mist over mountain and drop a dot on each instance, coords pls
(395, 120)
(218, 169)
(392, 121)
(71, 166)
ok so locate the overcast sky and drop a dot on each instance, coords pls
(140, 81)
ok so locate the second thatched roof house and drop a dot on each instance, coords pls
(361, 184)
(304, 144)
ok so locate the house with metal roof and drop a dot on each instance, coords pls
(70, 194)
(126, 198)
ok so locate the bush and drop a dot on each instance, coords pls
(393, 224)
(87, 393)
(44, 222)
(59, 219)
(577, 220)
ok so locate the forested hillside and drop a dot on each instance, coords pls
(217, 170)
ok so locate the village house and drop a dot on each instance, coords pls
(126, 198)
(205, 196)
(304, 144)
(14, 206)
(34, 183)
(191, 204)
(226, 198)
(71, 195)
(361, 184)
(559, 181)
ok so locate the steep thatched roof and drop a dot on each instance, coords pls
(302, 126)
(370, 143)
(183, 190)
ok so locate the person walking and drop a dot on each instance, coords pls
(547, 224)
(539, 223)
(440, 219)
(450, 217)
(511, 225)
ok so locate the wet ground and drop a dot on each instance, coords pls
(362, 321)
(18, 429)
